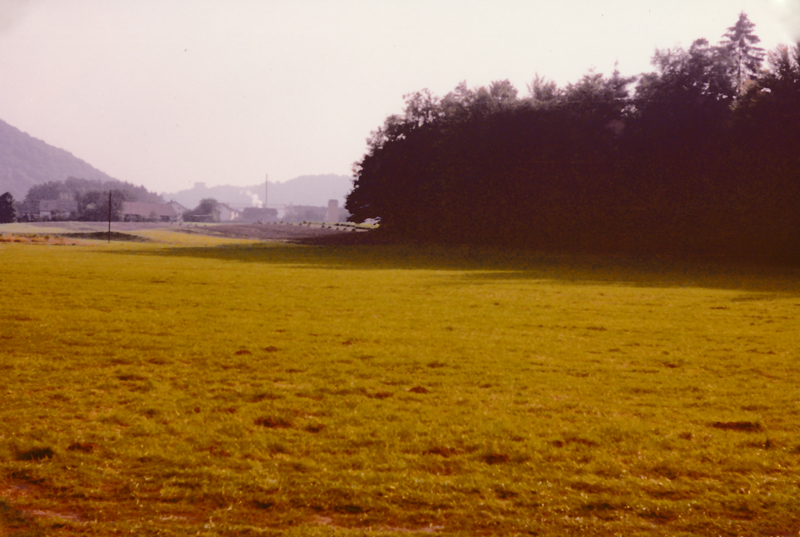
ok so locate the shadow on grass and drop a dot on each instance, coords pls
(486, 264)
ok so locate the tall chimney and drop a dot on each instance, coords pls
(332, 215)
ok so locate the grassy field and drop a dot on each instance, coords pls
(194, 385)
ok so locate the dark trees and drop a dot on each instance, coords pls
(93, 206)
(206, 211)
(770, 109)
(8, 213)
(479, 161)
(684, 104)
(52, 190)
(686, 165)
(542, 90)
(764, 160)
(674, 139)
(87, 193)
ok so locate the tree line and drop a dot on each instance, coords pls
(91, 198)
(699, 156)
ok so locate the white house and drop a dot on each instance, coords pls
(180, 209)
(227, 213)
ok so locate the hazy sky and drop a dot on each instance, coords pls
(168, 92)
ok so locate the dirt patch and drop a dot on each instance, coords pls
(440, 450)
(380, 395)
(105, 235)
(314, 427)
(314, 234)
(744, 426)
(35, 454)
(495, 458)
(37, 239)
(85, 447)
(573, 440)
(270, 232)
(273, 423)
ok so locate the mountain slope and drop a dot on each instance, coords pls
(26, 161)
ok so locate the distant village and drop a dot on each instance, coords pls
(208, 211)
(77, 199)
(32, 188)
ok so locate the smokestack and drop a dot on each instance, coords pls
(333, 211)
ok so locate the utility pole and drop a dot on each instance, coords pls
(266, 195)
(109, 216)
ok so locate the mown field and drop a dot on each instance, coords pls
(196, 385)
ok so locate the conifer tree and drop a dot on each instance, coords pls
(739, 42)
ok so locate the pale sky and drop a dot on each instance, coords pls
(164, 93)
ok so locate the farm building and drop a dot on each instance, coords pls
(57, 208)
(227, 213)
(134, 211)
(180, 209)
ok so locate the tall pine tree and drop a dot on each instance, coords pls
(739, 42)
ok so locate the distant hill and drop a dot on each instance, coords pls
(26, 161)
(311, 190)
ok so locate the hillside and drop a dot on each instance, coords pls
(312, 190)
(26, 161)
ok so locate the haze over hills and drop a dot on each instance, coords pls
(312, 190)
(26, 161)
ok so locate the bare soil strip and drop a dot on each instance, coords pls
(310, 234)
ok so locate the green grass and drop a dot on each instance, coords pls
(233, 388)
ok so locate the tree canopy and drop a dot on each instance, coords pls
(739, 43)
(93, 205)
(91, 197)
(683, 159)
(206, 211)
(8, 213)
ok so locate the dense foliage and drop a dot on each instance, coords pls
(93, 205)
(91, 197)
(206, 211)
(699, 157)
(8, 213)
